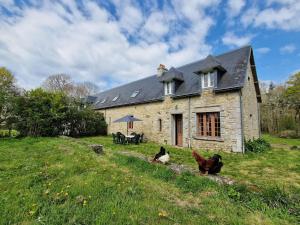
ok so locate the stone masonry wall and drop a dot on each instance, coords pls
(228, 104)
(250, 108)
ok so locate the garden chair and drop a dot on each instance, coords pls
(142, 138)
(115, 140)
(118, 137)
(123, 140)
(136, 139)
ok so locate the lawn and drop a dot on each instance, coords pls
(61, 181)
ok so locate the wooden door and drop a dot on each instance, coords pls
(178, 129)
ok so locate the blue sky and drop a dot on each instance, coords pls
(116, 41)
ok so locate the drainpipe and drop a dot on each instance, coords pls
(258, 113)
(242, 124)
(189, 124)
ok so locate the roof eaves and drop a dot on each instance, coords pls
(186, 95)
(218, 90)
(128, 104)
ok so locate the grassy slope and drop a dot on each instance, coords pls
(60, 181)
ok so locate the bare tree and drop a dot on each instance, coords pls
(63, 83)
(59, 82)
(87, 88)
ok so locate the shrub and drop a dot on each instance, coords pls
(257, 145)
(6, 133)
(42, 113)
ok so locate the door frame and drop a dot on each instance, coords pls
(174, 124)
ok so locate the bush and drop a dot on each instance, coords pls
(257, 145)
(42, 113)
(6, 133)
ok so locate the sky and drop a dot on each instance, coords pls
(113, 42)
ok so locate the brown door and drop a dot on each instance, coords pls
(178, 129)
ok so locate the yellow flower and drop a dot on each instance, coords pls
(66, 194)
(47, 191)
(31, 212)
(163, 213)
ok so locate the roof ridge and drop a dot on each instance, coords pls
(225, 53)
(237, 49)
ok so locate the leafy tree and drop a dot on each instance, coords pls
(280, 108)
(8, 91)
(42, 113)
(292, 96)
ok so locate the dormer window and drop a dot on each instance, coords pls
(115, 98)
(134, 94)
(207, 80)
(168, 88)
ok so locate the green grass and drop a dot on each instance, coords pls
(61, 181)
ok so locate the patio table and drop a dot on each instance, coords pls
(129, 136)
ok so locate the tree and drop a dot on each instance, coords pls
(59, 83)
(63, 83)
(8, 91)
(292, 96)
(86, 88)
(42, 113)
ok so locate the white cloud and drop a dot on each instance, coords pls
(278, 14)
(57, 37)
(234, 7)
(287, 49)
(156, 26)
(231, 39)
(262, 50)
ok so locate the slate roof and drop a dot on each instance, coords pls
(171, 74)
(211, 62)
(151, 88)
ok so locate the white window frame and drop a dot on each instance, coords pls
(168, 88)
(210, 80)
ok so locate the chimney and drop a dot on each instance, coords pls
(161, 69)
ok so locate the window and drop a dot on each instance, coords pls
(168, 88)
(115, 98)
(208, 124)
(159, 125)
(134, 94)
(103, 101)
(130, 125)
(207, 80)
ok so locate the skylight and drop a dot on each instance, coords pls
(97, 102)
(103, 101)
(115, 98)
(134, 94)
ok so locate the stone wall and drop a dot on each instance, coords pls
(250, 107)
(228, 104)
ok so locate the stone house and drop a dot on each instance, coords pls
(208, 104)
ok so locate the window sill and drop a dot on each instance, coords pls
(208, 138)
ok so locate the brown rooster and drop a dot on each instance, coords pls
(212, 165)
